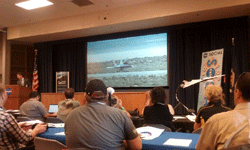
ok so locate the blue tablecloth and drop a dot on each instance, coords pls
(156, 144)
(51, 134)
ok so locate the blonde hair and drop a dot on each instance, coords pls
(213, 93)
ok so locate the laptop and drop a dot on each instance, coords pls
(53, 108)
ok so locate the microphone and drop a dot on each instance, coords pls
(184, 84)
(110, 90)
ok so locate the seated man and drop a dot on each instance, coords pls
(34, 109)
(65, 106)
(229, 129)
(12, 136)
(98, 126)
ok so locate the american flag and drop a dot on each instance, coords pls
(35, 82)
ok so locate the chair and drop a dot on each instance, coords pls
(53, 120)
(133, 112)
(32, 147)
(22, 118)
(48, 144)
(197, 131)
(160, 126)
(241, 147)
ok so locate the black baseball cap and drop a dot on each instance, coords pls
(96, 89)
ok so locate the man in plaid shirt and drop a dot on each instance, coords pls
(12, 136)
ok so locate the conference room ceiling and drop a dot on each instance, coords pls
(12, 16)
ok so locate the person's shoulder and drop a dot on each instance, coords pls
(225, 107)
(61, 102)
(5, 115)
(148, 107)
(220, 116)
(78, 109)
(204, 108)
(75, 101)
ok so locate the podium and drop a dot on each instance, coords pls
(19, 95)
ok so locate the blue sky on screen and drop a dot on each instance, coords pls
(127, 48)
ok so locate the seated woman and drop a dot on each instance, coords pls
(118, 104)
(159, 112)
(215, 105)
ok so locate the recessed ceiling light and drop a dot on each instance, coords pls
(33, 4)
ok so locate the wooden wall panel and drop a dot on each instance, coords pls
(22, 60)
(55, 98)
(130, 100)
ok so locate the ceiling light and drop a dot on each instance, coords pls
(33, 4)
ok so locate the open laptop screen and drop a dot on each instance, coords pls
(53, 108)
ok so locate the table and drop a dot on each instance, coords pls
(184, 123)
(181, 122)
(157, 143)
(51, 134)
(147, 144)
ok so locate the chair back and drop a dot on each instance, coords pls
(241, 147)
(197, 131)
(53, 120)
(22, 118)
(48, 144)
(159, 126)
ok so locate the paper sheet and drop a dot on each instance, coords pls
(178, 142)
(56, 125)
(149, 133)
(179, 117)
(60, 133)
(32, 122)
(191, 117)
(12, 111)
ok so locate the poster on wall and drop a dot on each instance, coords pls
(62, 81)
(211, 65)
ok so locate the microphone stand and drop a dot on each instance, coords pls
(180, 103)
(187, 85)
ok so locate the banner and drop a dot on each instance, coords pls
(62, 81)
(211, 65)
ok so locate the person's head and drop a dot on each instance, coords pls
(19, 75)
(34, 95)
(3, 95)
(214, 93)
(69, 93)
(96, 90)
(158, 95)
(242, 88)
(114, 101)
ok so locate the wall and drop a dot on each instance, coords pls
(21, 60)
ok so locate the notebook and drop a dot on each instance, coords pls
(53, 108)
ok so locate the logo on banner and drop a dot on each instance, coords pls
(205, 55)
(9, 91)
(210, 68)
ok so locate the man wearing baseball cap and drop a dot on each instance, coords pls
(98, 126)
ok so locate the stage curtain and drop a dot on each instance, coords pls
(187, 42)
(65, 55)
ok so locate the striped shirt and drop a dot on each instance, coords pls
(12, 136)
